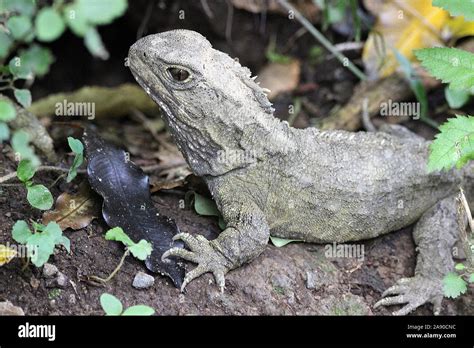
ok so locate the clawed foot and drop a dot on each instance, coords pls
(415, 292)
(204, 254)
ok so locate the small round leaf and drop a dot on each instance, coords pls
(111, 304)
(40, 197)
(19, 26)
(49, 24)
(23, 96)
(4, 132)
(26, 170)
(5, 44)
(7, 111)
(139, 310)
(21, 232)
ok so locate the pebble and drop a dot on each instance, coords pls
(311, 280)
(61, 280)
(143, 281)
(49, 270)
(7, 308)
(35, 283)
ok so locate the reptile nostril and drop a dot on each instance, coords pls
(144, 54)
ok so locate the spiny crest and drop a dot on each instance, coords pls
(244, 75)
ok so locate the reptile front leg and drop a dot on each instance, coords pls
(244, 238)
(435, 235)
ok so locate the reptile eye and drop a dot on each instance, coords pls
(178, 74)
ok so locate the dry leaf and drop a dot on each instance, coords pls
(6, 254)
(74, 211)
(280, 78)
(406, 25)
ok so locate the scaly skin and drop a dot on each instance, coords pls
(268, 178)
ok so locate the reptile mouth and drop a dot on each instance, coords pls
(157, 98)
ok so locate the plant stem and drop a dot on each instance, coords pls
(325, 42)
(12, 175)
(114, 272)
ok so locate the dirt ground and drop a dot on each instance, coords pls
(297, 279)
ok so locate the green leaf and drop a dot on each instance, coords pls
(39, 197)
(279, 242)
(25, 7)
(103, 11)
(77, 147)
(41, 248)
(38, 59)
(21, 232)
(7, 111)
(41, 244)
(119, 235)
(4, 132)
(459, 267)
(23, 96)
(453, 145)
(471, 278)
(462, 8)
(19, 69)
(454, 285)
(141, 250)
(76, 20)
(139, 310)
(49, 24)
(5, 44)
(205, 206)
(19, 26)
(456, 98)
(19, 142)
(275, 57)
(111, 304)
(53, 231)
(65, 242)
(450, 65)
(94, 44)
(26, 170)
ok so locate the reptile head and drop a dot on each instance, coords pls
(207, 97)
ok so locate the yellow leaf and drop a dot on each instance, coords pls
(407, 25)
(6, 254)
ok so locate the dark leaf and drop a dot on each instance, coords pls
(127, 202)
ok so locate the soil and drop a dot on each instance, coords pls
(294, 279)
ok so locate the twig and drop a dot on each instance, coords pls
(463, 235)
(207, 9)
(146, 19)
(229, 20)
(325, 42)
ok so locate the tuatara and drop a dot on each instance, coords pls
(268, 178)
